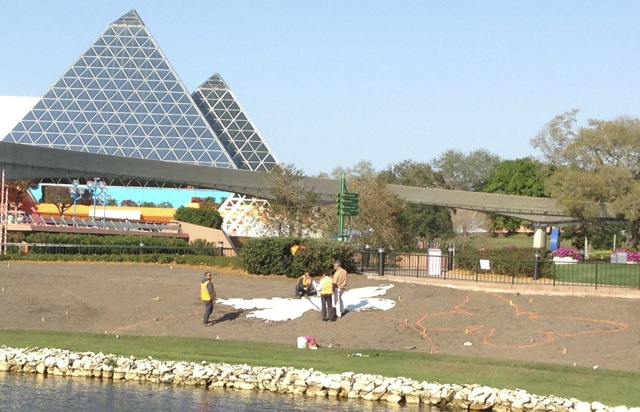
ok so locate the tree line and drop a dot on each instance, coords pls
(583, 166)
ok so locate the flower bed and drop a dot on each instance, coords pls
(564, 260)
(572, 254)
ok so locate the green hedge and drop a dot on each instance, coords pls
(263, 256)
(195, 260)
(509, 261)
(202, 216)
(82, 239)
(273, 255)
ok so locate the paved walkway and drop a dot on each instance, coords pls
(518, 288)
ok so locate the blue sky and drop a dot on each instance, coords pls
(331, 83)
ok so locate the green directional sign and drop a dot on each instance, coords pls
(348, 204)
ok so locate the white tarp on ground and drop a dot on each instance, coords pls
(282, 309)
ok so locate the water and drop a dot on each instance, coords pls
(38, 393)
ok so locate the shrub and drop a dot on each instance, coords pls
(508, 261)
(199, 216)
(193, 260)
(273, 255)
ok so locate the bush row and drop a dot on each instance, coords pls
(194, 260)
(291, 256)
(506, 261)
(83, 239)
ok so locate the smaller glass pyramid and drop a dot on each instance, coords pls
(236, 132)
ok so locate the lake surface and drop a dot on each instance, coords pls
(34, 392)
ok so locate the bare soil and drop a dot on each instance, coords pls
(548, 324)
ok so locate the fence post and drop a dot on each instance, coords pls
(220, 248)
(596, 276)
(366, 256)
(381, 256)
(536, 264)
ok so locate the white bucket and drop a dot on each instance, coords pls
(302, 342)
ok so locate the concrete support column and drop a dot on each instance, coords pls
(540, 238)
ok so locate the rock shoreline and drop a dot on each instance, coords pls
(287, 380)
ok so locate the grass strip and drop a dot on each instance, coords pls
(607, 386)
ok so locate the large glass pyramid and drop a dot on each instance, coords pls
(233, 127)
(123, 98)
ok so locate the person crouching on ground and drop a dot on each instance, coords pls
(326, 296)
(305, 286)
(208, 297)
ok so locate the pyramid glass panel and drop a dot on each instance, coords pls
(135, 91)
(212, 97)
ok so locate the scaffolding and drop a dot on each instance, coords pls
(4, 215)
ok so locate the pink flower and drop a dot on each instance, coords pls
(564, 251)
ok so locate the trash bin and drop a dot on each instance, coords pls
(434, 262)
(619, 257)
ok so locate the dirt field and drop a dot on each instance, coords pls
(520, 324)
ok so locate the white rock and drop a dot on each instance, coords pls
(394, 398)
(583, 407)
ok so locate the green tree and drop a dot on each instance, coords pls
(377, 223)
(555, 136)
(466, 172)
(600, 234)
(292, 210)
(524, 177)
(59, 196)
(209, 202)
(596, 164)
(419, 222)
(199, 216)
(147, 204)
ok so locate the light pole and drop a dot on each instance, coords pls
(98, 191)
(104, 199)
(76, 194)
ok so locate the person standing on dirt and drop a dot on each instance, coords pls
(208, 297)
(339, 286)
(326, 294)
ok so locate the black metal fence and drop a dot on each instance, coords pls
(431, 264)
(445, 266)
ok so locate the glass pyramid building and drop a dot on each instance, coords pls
(233, 127)
(123, 98)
